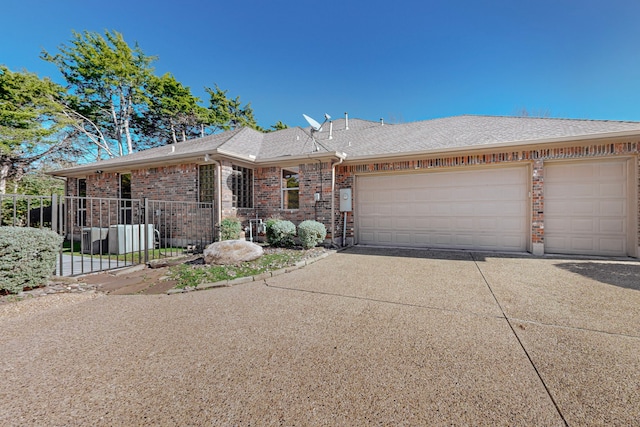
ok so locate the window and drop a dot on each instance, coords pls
(290, 189)
(207, 183)
(125, 196)
(242, 187)
(82, 202)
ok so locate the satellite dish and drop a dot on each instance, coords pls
(314, 125)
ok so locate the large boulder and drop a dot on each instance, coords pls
(230, 252)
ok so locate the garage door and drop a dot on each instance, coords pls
(481, 209)
(586, 208)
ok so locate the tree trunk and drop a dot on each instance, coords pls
(4, 174)
(173, 133)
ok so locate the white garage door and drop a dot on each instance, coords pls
(586, 208)
(481, 209)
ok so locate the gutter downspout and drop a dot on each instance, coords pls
(333, 199)
(218, 199)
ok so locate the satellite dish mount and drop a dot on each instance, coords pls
(316, 127)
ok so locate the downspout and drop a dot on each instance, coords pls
(218, 198)
(333, 199)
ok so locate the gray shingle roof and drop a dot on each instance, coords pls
(371, 139)
(463, 132)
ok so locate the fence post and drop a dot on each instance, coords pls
(213, 223)
(145, 209)
(54, 213)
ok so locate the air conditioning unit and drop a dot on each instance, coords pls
(94, 240)
(126, 238)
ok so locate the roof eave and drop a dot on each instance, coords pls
(297, 159)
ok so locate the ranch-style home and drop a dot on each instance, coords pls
(542, 185)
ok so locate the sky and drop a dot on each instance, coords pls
(402, 61)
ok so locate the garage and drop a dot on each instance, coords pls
(586, 207)
(483, 209)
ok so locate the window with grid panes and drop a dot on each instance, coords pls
(242, 187)
(207, 183)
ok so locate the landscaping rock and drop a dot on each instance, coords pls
(231, 252)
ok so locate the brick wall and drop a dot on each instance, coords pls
(177, 183)
(313, 178)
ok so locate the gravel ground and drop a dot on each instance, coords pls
(353, 339)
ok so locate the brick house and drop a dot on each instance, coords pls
(466, 182)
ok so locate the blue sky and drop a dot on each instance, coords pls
(398, 60)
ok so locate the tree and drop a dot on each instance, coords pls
(225, 113)
(172, 114)
(278, 126)
(33, 125)
(107, 82)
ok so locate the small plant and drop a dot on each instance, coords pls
(280, 232)
(190, 276)
(230, 229)
(311, 233)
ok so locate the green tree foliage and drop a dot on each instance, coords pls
(32, 123)
(108, 82)
(173, 114)
(120, 106)
(225, 113)
(278, 126)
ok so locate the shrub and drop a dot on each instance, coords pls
(311, 233)
(27, 257)
(230, 229)
(280, 232)
(268, 229)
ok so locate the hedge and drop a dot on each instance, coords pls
(27, 257)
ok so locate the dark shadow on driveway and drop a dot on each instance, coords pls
(617, 274)
(432, 253)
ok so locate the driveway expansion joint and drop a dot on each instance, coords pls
(533, 365)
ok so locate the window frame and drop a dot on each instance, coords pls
(286, 175)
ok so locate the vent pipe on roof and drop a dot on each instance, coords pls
(331, 130)
(381, 121)
(346, 121)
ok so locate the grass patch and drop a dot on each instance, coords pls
(189, 275)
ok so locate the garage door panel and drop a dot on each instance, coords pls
(462, 209)
(612, 190)
(404, 223)
(464, 223)
(586, 207)
(610, 246)
(484, 209)
(611, 226)
(613, 170)
(490, 224)
(513, 225)
(384, 222)
(384, 237)
(615, 208)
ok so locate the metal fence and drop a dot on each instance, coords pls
(106, 233)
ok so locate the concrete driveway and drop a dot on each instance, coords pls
(363, 337)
